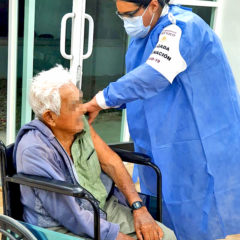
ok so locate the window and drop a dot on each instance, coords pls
(204, 8)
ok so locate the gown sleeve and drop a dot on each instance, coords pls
(158, 72)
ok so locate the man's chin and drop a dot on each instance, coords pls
(78, 129)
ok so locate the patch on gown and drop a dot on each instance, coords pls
(166, 57)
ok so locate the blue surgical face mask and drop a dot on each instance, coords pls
(134, 26)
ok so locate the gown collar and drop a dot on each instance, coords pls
(165, 10)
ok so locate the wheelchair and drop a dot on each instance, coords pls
(11, 223)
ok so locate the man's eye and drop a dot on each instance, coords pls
(74, 106)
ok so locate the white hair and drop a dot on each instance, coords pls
(44, 92)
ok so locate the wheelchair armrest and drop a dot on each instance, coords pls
(47, 184)
(143, 159)
(132, 157)
(60, 187)
(129, 146)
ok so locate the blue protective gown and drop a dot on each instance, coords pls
(188, 122)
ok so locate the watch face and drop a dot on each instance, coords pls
(138, 205)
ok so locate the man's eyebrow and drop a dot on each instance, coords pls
(124, 13)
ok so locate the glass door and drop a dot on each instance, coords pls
(94, 60)
(106, 64)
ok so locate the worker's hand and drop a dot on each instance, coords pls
(145, 226)
(122, 236)
(92, 109)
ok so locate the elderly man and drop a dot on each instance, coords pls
(60, 144)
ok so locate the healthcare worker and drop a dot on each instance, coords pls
(183, 111)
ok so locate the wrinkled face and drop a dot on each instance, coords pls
(72, 110)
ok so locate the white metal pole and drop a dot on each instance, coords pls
(28, 51)
(77, 42)
(217, 24)
(125, 135)
(12, 70)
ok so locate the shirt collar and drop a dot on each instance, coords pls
(79, 134)
(165, 10)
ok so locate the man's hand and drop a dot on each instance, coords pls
(122, 236)
(93, 109)
(145, 226)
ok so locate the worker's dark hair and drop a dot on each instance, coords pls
(145, 3)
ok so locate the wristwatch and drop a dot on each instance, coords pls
(136, 205)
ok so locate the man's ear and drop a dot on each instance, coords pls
(49, 118)
(154, 6)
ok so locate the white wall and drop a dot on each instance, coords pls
(229, 31)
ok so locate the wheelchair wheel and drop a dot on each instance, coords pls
(13, 230)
